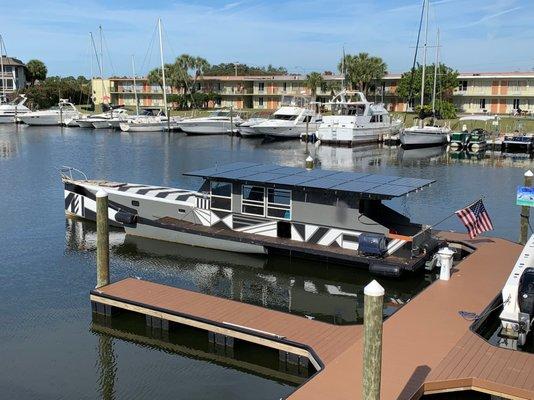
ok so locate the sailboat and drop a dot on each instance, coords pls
(157, 123)
(426, 135)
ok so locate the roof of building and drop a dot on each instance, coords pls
(373, 185)
(510, 74)
(12, 61)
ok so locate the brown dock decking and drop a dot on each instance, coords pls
(427, 346)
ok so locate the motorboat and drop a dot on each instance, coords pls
(256, 208)
(245, 129)
(218, 122)
(58, 115)
(151, 120)
(475, 139)
(290, 121)
(425, 136)
(517, 315)
(11, 112)
(355, 121)
(112, 119)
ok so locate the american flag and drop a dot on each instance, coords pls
(475, 218)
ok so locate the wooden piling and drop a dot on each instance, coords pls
(102, 239)
(372, 340)
(525, 211)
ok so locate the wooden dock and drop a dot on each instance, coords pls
(427, 346)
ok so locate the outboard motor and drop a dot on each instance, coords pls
(373, 244)
(526, 293)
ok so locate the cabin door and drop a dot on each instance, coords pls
(283, 229)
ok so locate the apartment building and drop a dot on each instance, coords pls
(13, 75)
(495, 93)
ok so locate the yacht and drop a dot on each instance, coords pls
(152, 120)
(218, 122)
(289, 122)
(428, 135)
(111, 119)
(57, 115)
(245, 129)
(14, 109)
(355, 121)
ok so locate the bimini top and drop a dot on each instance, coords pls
(376, 186)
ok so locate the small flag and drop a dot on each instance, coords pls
(475, 218)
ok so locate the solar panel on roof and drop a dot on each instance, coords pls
(354, 182)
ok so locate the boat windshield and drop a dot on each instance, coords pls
(219, 113)
(286, 117)
(348, 109)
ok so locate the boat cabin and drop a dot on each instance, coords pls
(317, 206)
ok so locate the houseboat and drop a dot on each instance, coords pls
(270, 209)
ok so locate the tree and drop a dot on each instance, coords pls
(363, 70)
(50, 90)
(36, 71)
(409, 86)
(313, 81)
(226, 69)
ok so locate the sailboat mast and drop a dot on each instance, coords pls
(162, 67)
(343, 70)
(435, 77)
(102, 64)
(424, 58)
(99, 65)
(135, 86)
(2, 46)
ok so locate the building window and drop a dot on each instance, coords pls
(219, 86)
(482, 104)
(279, 203)
(261, 86)
(221, 196)
(462, 86)
(253, 200)
(285, 86)
(260, 101)
(516, 104)
(218, 101)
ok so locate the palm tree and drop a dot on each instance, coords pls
(313, 81)
(362, 70)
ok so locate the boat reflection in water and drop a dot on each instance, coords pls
(424, 153)
(327, 292)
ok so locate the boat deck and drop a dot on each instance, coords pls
(427, 346)
(296, 248)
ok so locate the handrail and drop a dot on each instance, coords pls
(66, 172)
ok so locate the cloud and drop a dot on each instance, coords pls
(489, 17)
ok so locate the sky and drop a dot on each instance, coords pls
(301, 35)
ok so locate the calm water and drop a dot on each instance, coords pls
(51, 349)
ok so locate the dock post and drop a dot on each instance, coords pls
(372, 340)
(102, 239)
(309, 162)
(525, 211)
(231, 121)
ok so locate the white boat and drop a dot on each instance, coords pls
(64, 111)
(110, 119)
(289, 121)
(13, 110)
(218, 122)
(416, 136)
(245, 129)
(355, 121)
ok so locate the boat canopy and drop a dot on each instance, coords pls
(478, 118)
(364, 184)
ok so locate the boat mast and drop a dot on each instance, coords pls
(424, 58)
(135, 86)
(99, 65)
(343, 70)
(102, 65)
(2, 46)
(435, 79)
(162, 67)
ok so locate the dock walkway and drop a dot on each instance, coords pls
(421, 341)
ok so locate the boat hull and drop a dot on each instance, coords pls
(420, 139)
(103, 124)
(285, 132)
(126, 127)
(248, 131)
(351, 136)
(206, 128)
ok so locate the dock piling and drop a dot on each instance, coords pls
(102, 239)
(372, 340)
(525, 211)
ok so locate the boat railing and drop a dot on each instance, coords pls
(421, 237)
(70, 172)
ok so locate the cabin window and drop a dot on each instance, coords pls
(253, 200)
(135, 203)
(279, 203)
(307, 119)
(373, 118)
(221, 196)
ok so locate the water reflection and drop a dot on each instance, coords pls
(9, 146)
(326, 292)
(107, 366)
